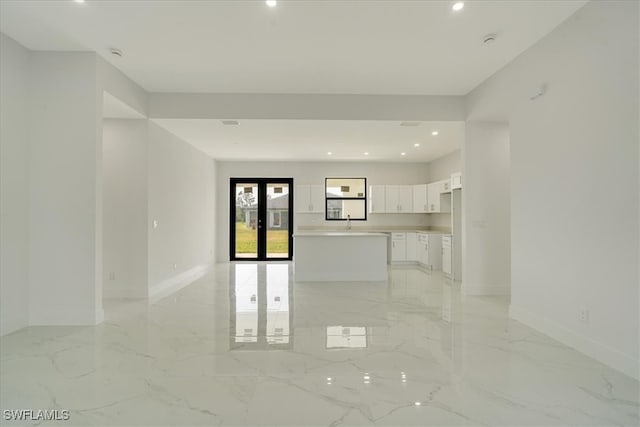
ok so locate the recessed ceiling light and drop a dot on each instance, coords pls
(458, 6)
(417, 403)
(416, 145)
(329, 153)
(366, 153)
(272, 3)
(403, 154)
(116, 52)
(435, 133)
(79, 1)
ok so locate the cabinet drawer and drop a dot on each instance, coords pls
(398, 236)
(446, 241)
(423, 238)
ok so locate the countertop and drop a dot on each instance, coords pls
(338, 233)
(363, 230)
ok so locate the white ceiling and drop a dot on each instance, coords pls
(284, 140)
(323, 46)
(310, 47)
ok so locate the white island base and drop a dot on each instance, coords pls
(340, 257)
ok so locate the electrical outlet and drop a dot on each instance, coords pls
(584, 315)
(175, 266)
(112, 275)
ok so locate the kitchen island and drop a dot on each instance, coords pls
(333, 256)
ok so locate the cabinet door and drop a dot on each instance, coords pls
(456, 180)
(433, 197)
(398, 247)
(377, 199)
(303, 198)
(391, 196)
(446, 256)
(316, 198)
(423, 249)
(412, 247)
(405, 198)
(420, 198)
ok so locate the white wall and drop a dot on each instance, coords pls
(575, 187)
(315, 173)
(440, 169)
(116, 83)
(65, 192)
(443, 167)
(486, 246)
(124, 145)
(14, 184)
(181, 199)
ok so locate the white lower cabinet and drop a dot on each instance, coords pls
(412, 246)
(428, 248)
(423, 248)
(398, 247)
(446, 255)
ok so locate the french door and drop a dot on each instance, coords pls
(261, 219)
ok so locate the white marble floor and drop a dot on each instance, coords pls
(246, 345)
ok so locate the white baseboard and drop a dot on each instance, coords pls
(601, 352)
(7, 327)
(66, 317)
(175, 283)
(477, 289)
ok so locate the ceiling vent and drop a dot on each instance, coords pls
(489, 38)
(410, 123)
(230, 122)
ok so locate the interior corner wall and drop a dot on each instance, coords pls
(486, 242)
(575, 181)
(14, 186)
(65, 194)
(124, 168)
(181, 183)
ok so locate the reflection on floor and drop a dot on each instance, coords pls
(247, 346)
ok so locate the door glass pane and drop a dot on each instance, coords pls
(277, 220)
(246, 284)
(246, 220)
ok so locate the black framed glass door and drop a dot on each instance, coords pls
(261, 219)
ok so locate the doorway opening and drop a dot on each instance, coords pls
(261, 219)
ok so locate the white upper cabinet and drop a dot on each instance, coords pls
(433, 197)
(420, 198)
(309, 199)
(405, 198)
(438, 197)
(391, 198)
(456, 180)
(377, 199)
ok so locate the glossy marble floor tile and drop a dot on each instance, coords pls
(246, 345)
